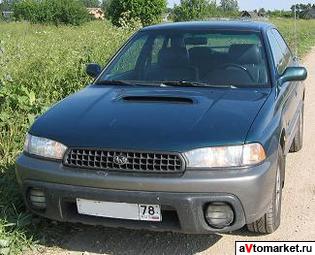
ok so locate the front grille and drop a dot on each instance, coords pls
(125, 161)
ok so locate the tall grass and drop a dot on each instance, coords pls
(304, 40)
(40, 65)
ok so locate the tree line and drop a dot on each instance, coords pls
(302, 9)
(128, 12)
(202, 9)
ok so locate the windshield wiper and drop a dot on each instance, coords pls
(164, 83)
(193, 84)
(114, 82)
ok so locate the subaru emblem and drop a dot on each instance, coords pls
(120, 160)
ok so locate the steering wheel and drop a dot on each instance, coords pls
(244, 69)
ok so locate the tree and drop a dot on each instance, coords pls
(6, 5)
(105, 6)
(262, 12)
(148, 12)
(191, 10)
(51, 11)
(301, 9)
(194, 10)
(229, 5)
(91, 3)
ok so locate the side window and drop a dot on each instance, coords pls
(129, 59)
(277, 52)
(284, 47)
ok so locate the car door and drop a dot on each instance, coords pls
(296, 86)
(282, 57)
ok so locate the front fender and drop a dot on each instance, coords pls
(268, 125)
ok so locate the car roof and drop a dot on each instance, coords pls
(200, 25)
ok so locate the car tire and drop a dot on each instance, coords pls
(270, 221)
(297, 143)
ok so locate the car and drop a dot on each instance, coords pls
(186, 129)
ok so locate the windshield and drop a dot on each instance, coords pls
(220, 58)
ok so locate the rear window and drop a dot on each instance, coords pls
(213, 57)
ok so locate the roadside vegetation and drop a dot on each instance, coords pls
(203, 9)
(54, 12)
(41, 64)
(301, 42)
(123, 12)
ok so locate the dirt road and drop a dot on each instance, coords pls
(298, 213)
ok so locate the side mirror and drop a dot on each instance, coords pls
(93, 70)
(293, 74)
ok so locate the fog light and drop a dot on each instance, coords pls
(219, 215)
(37, 198)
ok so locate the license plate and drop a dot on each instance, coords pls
(144, 212)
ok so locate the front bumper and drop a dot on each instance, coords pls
(182, 198)
(182, 212)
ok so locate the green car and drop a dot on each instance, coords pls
(186, 129)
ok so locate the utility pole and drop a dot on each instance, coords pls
(295, 31)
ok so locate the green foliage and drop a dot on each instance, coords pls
(305, 38)
(148, 12)
(126, 21)
(105, 6)
(203, 9)
(51, 11)
(194, 10)
(91, 3)
(229, 5)
(302, 10)
(262, 12)
(280, 14)
(39, 65)
(5, 5)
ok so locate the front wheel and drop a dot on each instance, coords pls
(269, 223)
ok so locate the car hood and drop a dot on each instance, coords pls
(152, 118)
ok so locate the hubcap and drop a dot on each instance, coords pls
(278, 190)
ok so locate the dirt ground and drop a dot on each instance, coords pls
(298, 212)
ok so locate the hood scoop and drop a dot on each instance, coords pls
(158, 99)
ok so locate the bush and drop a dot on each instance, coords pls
(91, 3)
(280, 14)
(203, 9)
(129, 23)
(193, 10)
(229, 5)
(148, 12)
(51, 11)
(39, 65)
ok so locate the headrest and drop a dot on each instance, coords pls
(173, 56)
(198, 53)
(245, 53)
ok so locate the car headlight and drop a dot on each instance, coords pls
(226, 156)
(44, 147)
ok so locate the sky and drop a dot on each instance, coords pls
(257, 4)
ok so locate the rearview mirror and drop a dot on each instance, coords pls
(196, 41)
(93, 70)
(293, 74)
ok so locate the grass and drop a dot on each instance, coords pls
(305, 34)
(40, 65)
